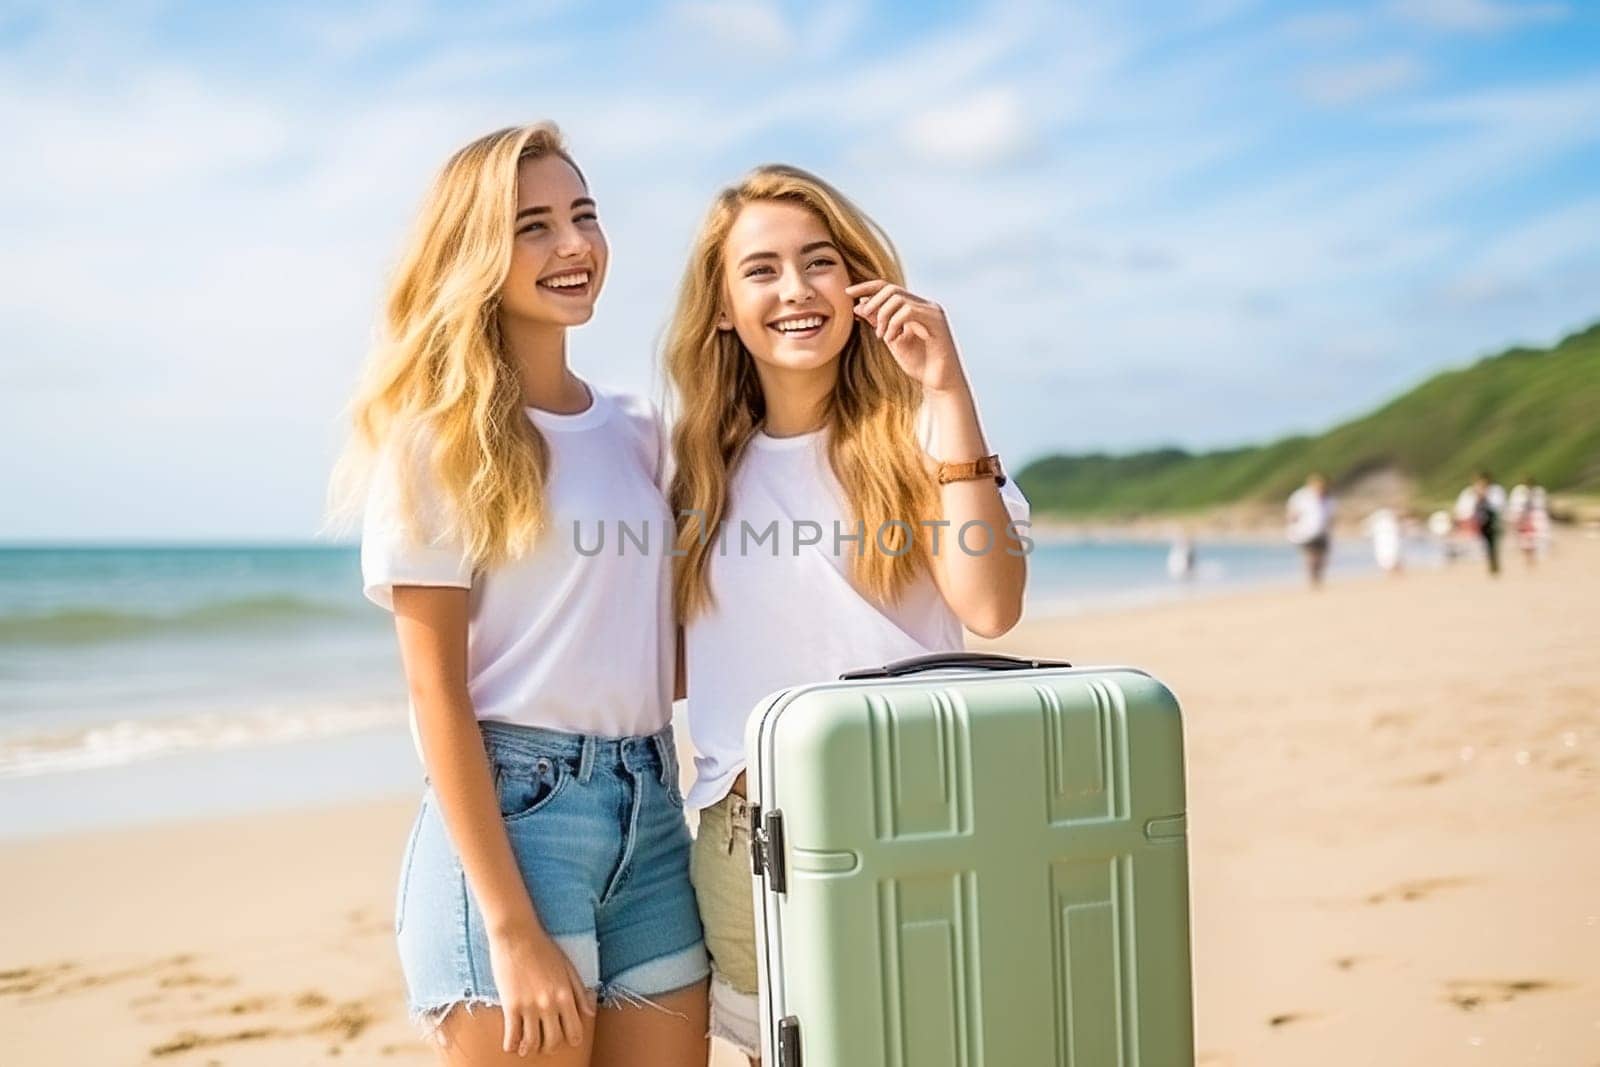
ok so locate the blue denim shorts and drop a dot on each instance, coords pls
(597, 827)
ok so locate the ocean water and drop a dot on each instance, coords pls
(109, 655)
(112, 657)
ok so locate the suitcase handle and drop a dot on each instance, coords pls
(935, 661)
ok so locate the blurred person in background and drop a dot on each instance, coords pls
(1478, 510)
(1384, 526)
(1443, 529)
(1181, 557)
(1529, 508)
(1309, 524)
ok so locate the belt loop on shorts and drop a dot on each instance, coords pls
(586, 760)
(738, 815)
(665, 754)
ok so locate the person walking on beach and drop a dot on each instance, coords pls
(1443, 530)
(1385, 528)
(821, 398)
(1181, 557)
(1529, 508)
(1309, 520)
(544, 905)
(1478, 509)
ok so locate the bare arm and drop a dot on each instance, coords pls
(432, 627)
(432, 624)
(983, 587)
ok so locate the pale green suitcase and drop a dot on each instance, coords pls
(969, 860)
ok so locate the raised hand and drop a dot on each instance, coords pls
(915, 331)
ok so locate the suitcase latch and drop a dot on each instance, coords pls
(789, 1042)
(766, 846)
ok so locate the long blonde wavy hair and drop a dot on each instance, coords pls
(438, 386)
(871, 413)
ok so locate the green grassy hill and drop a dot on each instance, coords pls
(1523, 410)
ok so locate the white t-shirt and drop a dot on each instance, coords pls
(786, 612)
(1467, 501)
(1310, 514)
(1388, 545)
(1528, 502)
(567, 638)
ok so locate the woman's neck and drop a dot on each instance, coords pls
(796, 400)
(539, 352)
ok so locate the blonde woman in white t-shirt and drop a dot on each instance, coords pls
(838, 505)
(544, 905)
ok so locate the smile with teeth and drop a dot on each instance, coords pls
(578, 279)
(803, 324)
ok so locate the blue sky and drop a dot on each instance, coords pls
(1201, 223)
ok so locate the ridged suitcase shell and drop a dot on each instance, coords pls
(980, 869)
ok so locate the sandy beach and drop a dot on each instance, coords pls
(1395, 846)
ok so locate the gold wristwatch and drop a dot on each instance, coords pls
(987, 467)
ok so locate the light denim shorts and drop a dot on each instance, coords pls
(597, 828)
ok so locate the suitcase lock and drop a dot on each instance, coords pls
(766, 847)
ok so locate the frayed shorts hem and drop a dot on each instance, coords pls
(429, 1018)
(638, 987)
(735, 1017)
(658, 977)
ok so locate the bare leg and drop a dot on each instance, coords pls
(472, 1039)
(631, 1035)
(1316, 561)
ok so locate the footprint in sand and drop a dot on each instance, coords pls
(22, 980)
(189, 1041)
(1392, 720)
(193, 980)
(248, 1006)
(65, 978)
(342, 1021)
(1430, 778)
(1470, 995)
(1421, 889)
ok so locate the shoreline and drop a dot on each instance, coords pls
(296, 766)
(347, 683)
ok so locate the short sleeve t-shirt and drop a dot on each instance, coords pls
(1309, 514)
(786, 611)
(577, 635)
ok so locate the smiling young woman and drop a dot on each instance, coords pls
(816, 392)
(544, 903)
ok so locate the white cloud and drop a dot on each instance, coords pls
(352, 29)
(1559, 242)
(743, 33)
(988, 128)
(1563, 108)
(738, 24)
(1357, 82)
(1477, 16)
(161, 130)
